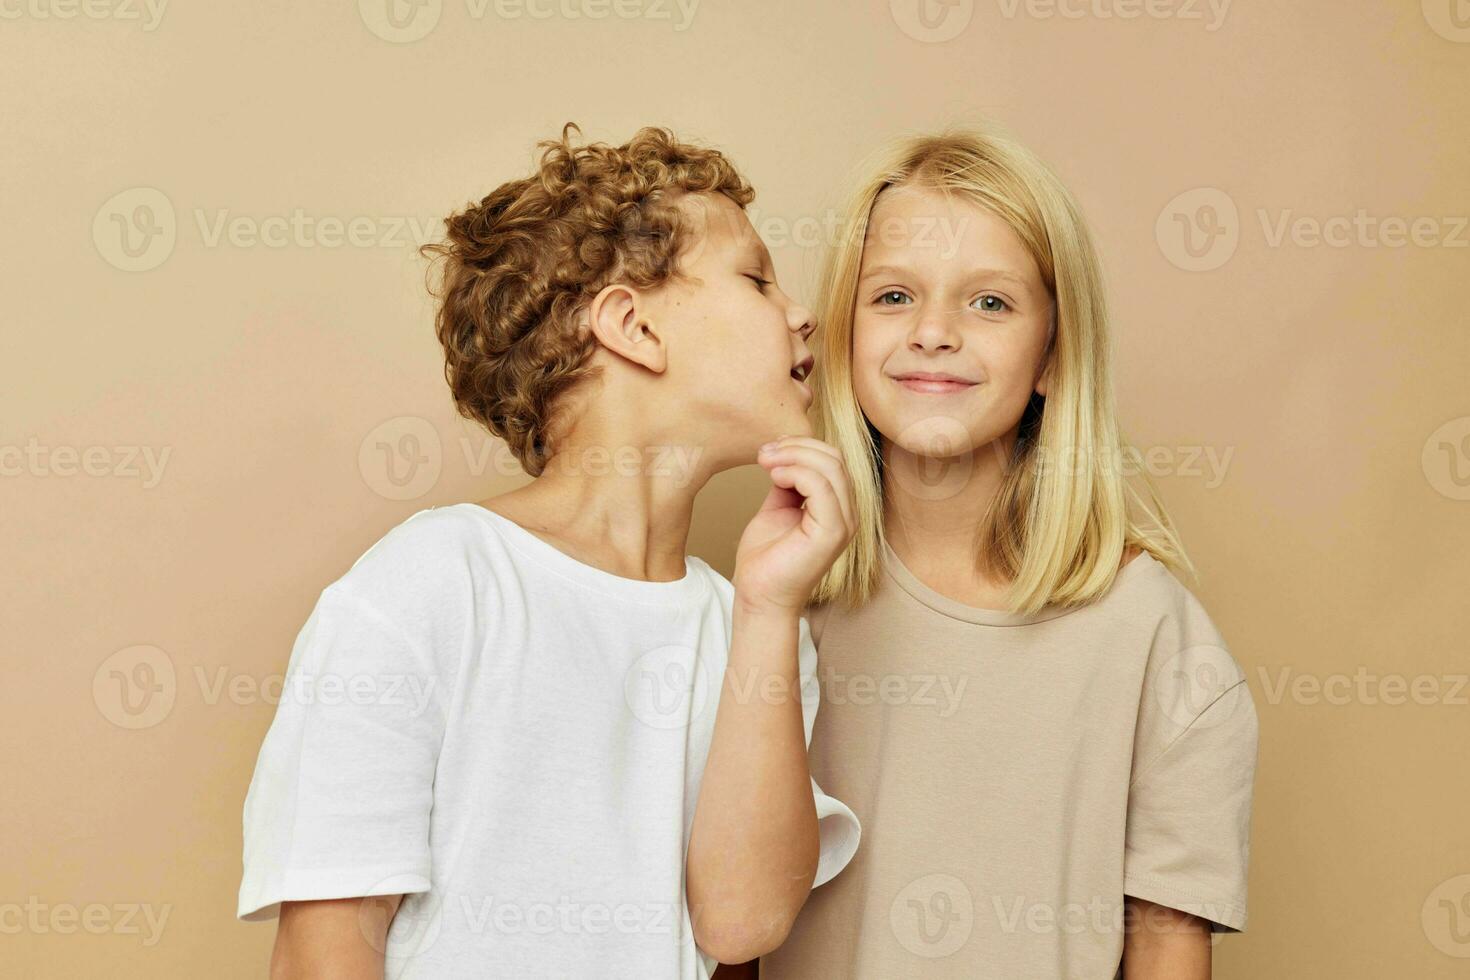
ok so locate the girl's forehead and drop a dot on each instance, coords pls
(919, 207)
(931, 224)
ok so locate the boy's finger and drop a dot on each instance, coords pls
(781, 498)
(826, 448)
(821, 501)
(830, 466)
(813, 442)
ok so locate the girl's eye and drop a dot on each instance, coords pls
(759, 282)
(893, 297)
(991, 304)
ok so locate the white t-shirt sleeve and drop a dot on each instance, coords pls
(340, 800)
(836, 823)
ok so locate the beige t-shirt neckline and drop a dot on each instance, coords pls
(954, 609)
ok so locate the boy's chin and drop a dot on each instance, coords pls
(794, 423)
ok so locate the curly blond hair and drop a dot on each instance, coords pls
(521, 265)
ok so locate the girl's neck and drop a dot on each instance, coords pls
(933, 512)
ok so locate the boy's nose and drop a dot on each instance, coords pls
(800, 319)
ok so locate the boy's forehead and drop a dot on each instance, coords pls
(720, 226)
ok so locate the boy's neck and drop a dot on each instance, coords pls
(626, 511)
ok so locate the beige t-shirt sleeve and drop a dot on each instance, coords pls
(1187, 842)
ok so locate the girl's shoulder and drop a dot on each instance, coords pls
(816, 618)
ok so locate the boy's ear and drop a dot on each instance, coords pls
(619, 317)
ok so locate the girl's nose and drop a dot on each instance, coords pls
(933, 331)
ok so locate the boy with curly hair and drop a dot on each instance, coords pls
(557, 745)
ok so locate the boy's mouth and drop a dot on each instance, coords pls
(800, 373)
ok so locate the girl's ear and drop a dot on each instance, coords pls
(618, 317)
(1048, 357)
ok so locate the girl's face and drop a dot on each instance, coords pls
(950, 327)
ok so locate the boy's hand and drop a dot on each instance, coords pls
(804, 524)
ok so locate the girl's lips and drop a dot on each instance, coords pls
(929, 386)
(806, 391)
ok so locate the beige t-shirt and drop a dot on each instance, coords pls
(1017, 776)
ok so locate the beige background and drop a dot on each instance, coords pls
(1327, 380)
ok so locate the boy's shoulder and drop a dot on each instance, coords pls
(460, 549)
(423, 538)
(422, 557)
(723, 586)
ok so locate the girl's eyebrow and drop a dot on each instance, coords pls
(1002, 274)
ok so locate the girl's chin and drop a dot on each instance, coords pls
(928, 434)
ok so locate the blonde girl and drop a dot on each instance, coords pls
(1047, 742)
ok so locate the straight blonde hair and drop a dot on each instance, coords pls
(1056, 532)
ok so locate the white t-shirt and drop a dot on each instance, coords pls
(513, 740)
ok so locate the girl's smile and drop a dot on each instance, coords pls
(931, 383)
